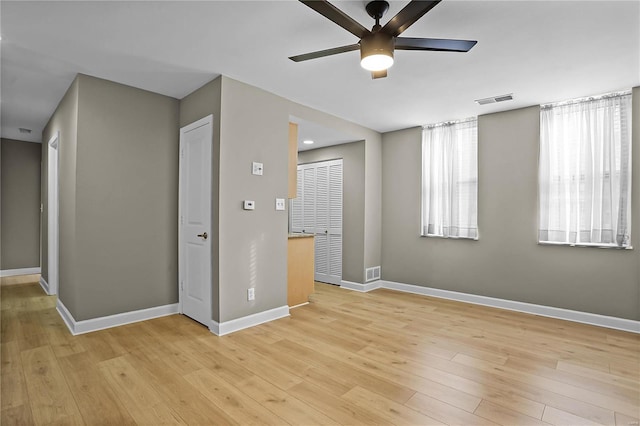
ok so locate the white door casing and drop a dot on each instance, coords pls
(52, 214)
(194, 220)
(318, 211)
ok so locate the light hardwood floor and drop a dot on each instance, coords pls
(20, 279)
(346, 358)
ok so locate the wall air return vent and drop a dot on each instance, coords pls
(494, 99)
(372, 273)
(24, 130)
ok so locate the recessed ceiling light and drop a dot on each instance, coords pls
(307, 142)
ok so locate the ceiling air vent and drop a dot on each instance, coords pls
(494, 99)
(24, 130)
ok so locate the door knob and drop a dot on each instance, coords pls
(203, 235)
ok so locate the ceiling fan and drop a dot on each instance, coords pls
(377, 46)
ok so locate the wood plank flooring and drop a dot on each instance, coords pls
(346, 358)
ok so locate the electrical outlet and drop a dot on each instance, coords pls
(279, 203)
(251, 294)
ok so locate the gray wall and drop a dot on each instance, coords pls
(65, 121)
(199, 104)
(250, 248)
(118, 195)
(118, 227)
(253, 244)
(373, 205)
(20, 204)
(371, 218)
(118, 207)
(506, 262)
(353, 238)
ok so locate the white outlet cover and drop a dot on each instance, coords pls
(257, 168)
(280, 204)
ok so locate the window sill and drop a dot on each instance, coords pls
(449, 238)
(592, 245)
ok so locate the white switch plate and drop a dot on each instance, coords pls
(249, 205)
(257, 168)
(251, 294)
(279, 203)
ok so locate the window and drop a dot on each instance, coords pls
(450, 180)
(585, 172)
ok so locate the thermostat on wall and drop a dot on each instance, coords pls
(257, 168)
(249, 205)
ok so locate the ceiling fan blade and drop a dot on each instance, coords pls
(378, 74)
(407, 16)
(437, 44)
(327, 52)
(334, 14)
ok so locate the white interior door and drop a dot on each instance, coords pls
(195, 220)
(318, 211)
(52, 214)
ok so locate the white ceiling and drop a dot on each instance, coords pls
(541, 51)
(320, 135)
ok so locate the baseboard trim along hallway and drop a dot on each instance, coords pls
(95, 324)
(20, 271)
(511, 305)
(45, 286)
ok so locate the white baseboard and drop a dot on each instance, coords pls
(66, 316)
(220, 329)
(95, 324)
(361, 287)
(45, 286)
(21, 271)
(511, 305)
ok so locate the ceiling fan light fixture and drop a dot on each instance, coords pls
(376, 52)
(377, 62)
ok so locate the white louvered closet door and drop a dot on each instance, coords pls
(322, 223)
(335, 222)
(318, 211)
(308, 200)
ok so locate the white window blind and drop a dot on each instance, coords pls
(585, 172)
(450, 180)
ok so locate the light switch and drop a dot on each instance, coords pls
(249, 205)
(279, 203)
(257, 168)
